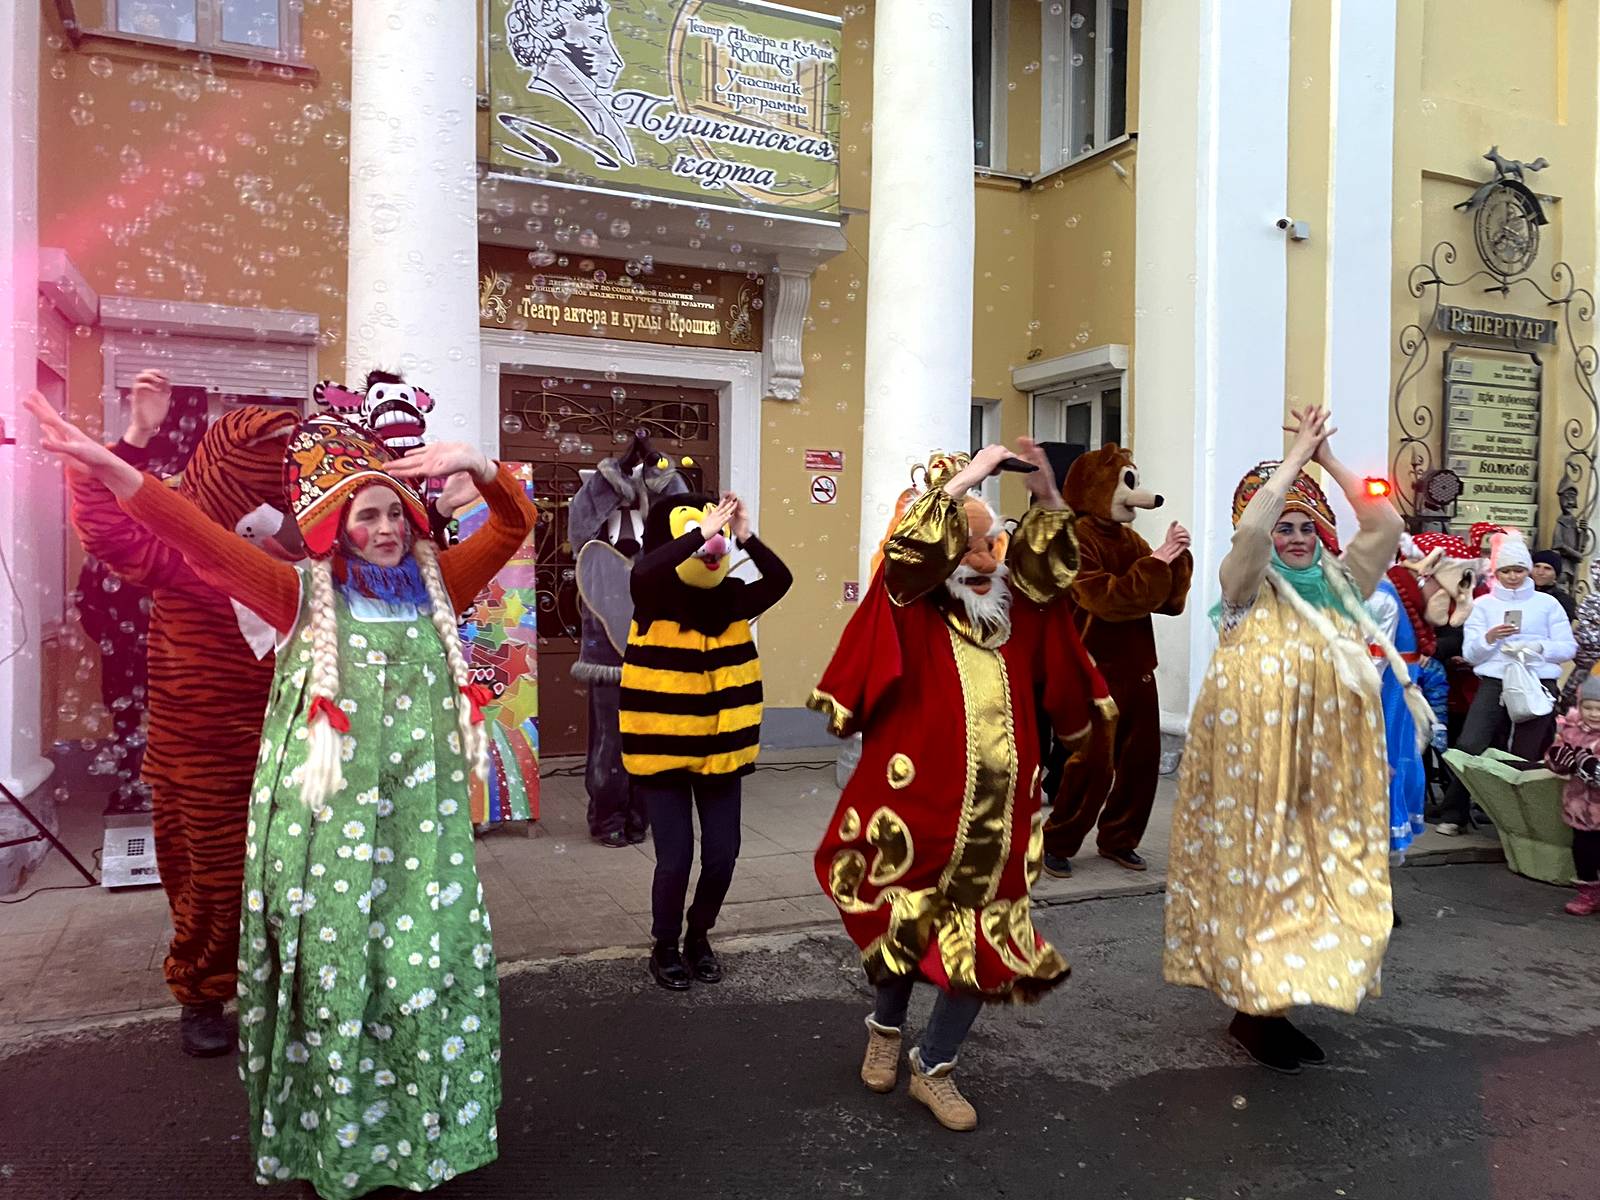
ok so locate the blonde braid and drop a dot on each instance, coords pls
(322, 775)
(474, 736)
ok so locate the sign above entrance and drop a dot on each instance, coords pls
(607, 298)
(726, 103)
(1471, 322)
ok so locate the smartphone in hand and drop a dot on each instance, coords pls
(1513, 618)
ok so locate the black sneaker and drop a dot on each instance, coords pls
(702, 958)
(1301, 1046)
(1057, 867)
(616, 839)
(1264, 1040)
(666, 967)
(637, 836)
(204, 1031)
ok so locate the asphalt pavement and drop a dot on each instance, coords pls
(1473, 1076)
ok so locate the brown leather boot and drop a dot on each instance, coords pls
(880, 1070)
(938, 1091)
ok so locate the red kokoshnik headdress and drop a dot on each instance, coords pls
(1305, 496)
(328, 462)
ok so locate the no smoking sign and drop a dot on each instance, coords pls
(824, 489)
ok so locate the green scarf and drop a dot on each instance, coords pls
(1310, 582)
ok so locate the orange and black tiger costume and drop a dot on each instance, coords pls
(207, 690)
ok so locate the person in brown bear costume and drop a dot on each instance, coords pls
(1121, 583)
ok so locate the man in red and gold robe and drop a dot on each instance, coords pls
(939, 833)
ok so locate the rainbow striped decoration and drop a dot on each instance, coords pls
(500, 633)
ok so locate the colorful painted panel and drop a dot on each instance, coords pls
(501, 638)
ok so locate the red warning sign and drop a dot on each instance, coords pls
(824, 460)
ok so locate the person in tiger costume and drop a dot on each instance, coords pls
(201, 669)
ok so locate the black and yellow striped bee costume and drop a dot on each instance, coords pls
(691, 677)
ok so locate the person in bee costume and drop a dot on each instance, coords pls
(691, 710)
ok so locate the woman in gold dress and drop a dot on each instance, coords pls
(1278, 889)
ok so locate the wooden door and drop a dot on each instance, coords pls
(561, 427)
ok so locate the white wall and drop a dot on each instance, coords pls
(29, 478)
(1209, 284)
(1358, 226)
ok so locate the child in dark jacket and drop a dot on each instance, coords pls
(1575, 756)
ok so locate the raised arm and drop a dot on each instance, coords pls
(1371, 551)
(219, 557)
(471, 564)
(1246, 563)
(756, 598)
(131, 551)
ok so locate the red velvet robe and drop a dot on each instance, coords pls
(938, 835)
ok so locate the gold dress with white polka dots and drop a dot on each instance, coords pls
(1278, 887)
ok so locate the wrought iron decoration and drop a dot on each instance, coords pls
(1506, 220)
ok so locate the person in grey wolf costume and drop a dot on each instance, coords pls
(605, 520)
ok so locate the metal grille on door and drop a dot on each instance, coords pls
(561, 427)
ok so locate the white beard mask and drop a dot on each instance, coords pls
(990, 613)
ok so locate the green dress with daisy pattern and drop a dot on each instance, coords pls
(369, 1014)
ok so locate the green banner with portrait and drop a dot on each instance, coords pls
(727, 103)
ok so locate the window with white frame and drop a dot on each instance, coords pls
(989, 26)
(986, 432)
(267, 29)
(1085, 92)
(1086, 414)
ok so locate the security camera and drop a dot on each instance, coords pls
(1298, 231)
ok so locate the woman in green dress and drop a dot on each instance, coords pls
(368, 1007)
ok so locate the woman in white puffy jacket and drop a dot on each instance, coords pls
(1514, 622)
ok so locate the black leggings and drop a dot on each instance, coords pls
(672, 801)
(1586, 854)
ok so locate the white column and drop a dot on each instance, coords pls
(1209, 283)
(1359, 237)
(919, 263)
(28, 477)
(413, 244)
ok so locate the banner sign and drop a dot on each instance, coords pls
(1471, 322)
(726, 103)
(1492, 403)
(636, 302)
(500, 636)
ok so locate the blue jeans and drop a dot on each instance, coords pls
(952, 1018)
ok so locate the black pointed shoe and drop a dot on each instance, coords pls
(1264, 1040)
(616, 839)
(667, 969)
(204, 1030)
(1302, 1047)
(702, 958)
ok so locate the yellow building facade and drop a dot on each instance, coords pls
(1131, 167)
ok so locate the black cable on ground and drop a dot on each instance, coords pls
(59, 887)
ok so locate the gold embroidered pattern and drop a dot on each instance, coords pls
(849, 825)
(891, 838)
(840, 718)
(983, 838)
(901, 771)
